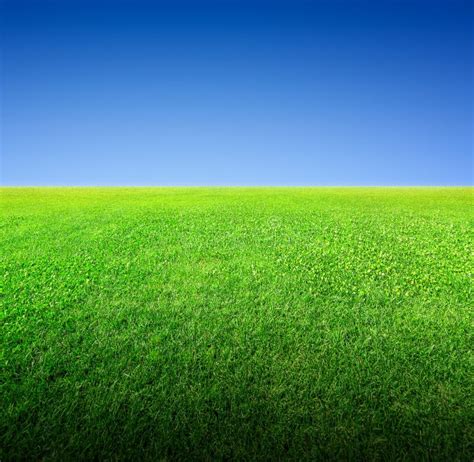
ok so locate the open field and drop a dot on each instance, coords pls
(236, 323)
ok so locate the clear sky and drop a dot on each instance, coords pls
(329, 92)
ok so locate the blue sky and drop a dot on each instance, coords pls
(237, 92)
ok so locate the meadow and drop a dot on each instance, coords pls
(236, 323)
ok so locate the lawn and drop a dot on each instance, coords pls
(236, 323)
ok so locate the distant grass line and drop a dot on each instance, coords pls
(236, 324)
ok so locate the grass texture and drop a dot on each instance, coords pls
(236, 324)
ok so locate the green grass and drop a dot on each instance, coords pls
(236, 323)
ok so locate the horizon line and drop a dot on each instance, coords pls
(237, 186)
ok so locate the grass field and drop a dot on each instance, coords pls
(236, 323)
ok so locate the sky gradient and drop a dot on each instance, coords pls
(237, 92)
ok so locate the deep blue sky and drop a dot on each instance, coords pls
(230, 92)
